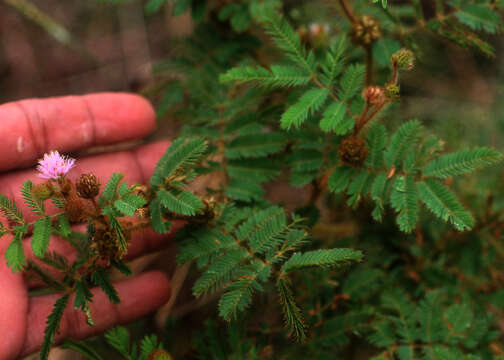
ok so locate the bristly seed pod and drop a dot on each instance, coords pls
(87, 186)
(404, 59)
(74, 208)
(353, 151)
(366, 31)
(373, 94)
(43, 191)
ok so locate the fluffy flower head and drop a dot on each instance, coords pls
(54, 165)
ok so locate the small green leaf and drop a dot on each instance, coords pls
(41, 235)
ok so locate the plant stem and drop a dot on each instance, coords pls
(369, 65)
(348, 11)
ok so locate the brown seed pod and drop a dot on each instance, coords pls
(366, 31)
(353, 151)
(87, 186)
(74, 208)
(107, 244)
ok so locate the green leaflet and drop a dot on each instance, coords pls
(264, 229)
(352, 81)
(36, 205)
(321, 258)
(129, 204)
(479, 17)
(309, 103)
(293, 315)
(244, 190)
(334, 119)
(402, 140)
(101, 278)
(462, 162)
(288, 40)
(41, 235)
(404, 199)
(340, 178)
(156, 215)
(10, 210)
(376, 142)
(254, 146)
(53, 322)
(182, 153)
(110, 191)
(444, 205)
(15, 254)
(279, 76)
(180, 202)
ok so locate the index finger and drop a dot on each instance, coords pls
(32, 127)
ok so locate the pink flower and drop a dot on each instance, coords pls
(54, 165)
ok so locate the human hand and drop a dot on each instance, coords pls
(32, 127)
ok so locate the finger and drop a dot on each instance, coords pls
(13, 307)
(137, 165)
(142, 242)
(69, 123)
(139, 296)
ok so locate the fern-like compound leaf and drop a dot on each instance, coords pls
(444, 205)
(462, 162)
(480, 17)
(309, 103)
(129, 204)
(404, 199)
(110, 192)
(36, 205)
(181, 154)
(402, 140)
(321, 258)
(101, 278)
(352, 81)
(253, 146)
(180, 202)
(280, 76)
(334, 119)
(52, 325)
(41, 235)
(294, 319)
(10, 210)
(288, 41)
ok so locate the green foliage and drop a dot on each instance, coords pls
(10, 210)
(100, 277)
(279, 76)
(41, 235)
(53, 322)
(36, 205)
(462, 162)
(479, 17)
(15, 254)
(321, 258)
(443, 204)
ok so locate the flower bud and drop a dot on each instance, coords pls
(392, 90)
(404, 59)
(43, 191)
(373, 94)
(353, 151)
(88, 186)
(159, 355)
